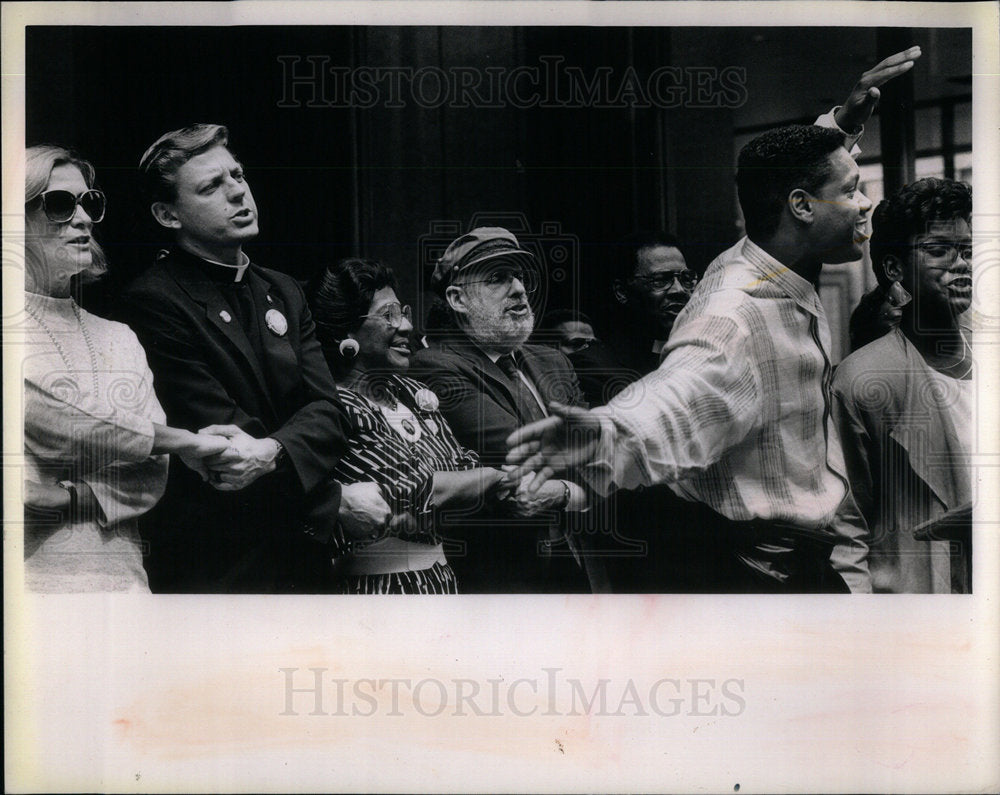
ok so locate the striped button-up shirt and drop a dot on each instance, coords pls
(737, 416)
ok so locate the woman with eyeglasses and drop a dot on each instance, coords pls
(94, 436)
(903, 403)
(400, 439)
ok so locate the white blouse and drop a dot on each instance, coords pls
(89, 409)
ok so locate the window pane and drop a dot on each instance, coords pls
(963, 166)
(930, 166)
(963, 124)
(871, 181)
(928, 132)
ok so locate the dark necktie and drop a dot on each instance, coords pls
(528, 407)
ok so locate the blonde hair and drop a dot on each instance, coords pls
(39, 162)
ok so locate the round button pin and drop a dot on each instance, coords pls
(276, 322)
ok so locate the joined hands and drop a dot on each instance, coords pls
(242, 460)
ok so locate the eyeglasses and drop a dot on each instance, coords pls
(393, 314)
(664, 279)
(60, 205)
(577, 344)
(503, 279)
(939, 250)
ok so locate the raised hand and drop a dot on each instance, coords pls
(244, 459)
(567, 438)
(863, 99)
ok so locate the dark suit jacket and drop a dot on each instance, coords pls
(502, 555)
(475, 394)
(262, 538)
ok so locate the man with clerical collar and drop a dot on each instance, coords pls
(490, 381)
(233, 350)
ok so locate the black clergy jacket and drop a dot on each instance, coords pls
(269, 536)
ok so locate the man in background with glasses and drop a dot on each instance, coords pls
(650, 284)
(491, 382)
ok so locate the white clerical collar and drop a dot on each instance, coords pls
(238, 270)
(658, 346)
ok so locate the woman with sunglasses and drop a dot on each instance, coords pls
(400, 439)
(93, 430)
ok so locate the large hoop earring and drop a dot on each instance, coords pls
(349, 348)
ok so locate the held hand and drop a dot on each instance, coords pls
(503, 482)
(198, 447)
(863, 99)
(244, 459)
(525, 501)
(363, 512)
(567, 438)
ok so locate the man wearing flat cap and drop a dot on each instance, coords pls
(489, 383)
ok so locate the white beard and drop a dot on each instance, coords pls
(491, 327)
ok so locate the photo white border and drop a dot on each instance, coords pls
(170, 693)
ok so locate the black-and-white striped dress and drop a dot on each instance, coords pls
(402, 461)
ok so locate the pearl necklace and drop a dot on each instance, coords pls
(59, 348)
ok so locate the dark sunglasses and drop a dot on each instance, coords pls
(60, 205)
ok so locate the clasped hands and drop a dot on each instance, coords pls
(363, 513)
(523, 494)
(231, 459)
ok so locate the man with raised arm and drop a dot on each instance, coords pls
(738, 415)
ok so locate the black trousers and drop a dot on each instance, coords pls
(692, 549)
